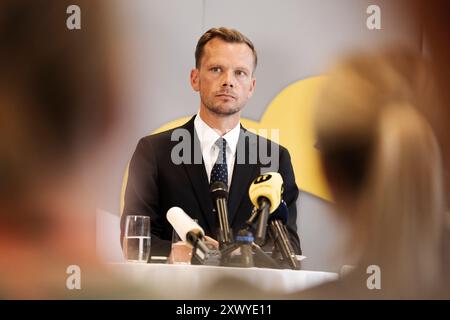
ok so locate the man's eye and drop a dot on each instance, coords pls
(216, 69)
(241, 73)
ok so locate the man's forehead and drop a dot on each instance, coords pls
(217, 49)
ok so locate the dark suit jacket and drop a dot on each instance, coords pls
(156, 183)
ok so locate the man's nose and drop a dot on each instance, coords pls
(228, 80)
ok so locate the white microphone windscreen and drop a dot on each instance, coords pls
(182, 223)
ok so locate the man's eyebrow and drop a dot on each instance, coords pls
(243, 68)
(214, 64)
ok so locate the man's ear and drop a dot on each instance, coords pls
(195, 79)
(252, 87)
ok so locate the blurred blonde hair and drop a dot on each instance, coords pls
(375, 139)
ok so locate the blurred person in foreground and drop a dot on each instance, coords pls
(57, 110)
(434, 18)
(383, 165)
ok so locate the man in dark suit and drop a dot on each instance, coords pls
(177, 167)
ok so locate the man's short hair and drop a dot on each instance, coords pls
(225, 34)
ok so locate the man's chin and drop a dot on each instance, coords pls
(224, 111)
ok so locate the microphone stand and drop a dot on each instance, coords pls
(282, 245)
(201, 252)
(245, 241)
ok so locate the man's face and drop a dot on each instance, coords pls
(224, 79)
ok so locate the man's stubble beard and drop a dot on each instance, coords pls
(223, 112)
(220, 112)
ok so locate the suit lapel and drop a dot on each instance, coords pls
(198, 178)
(243, 174)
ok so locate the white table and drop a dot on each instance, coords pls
(190, 281)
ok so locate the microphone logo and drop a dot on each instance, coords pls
(262, 178)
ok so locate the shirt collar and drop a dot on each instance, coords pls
(209, 136)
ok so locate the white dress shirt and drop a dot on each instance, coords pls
(210, 151)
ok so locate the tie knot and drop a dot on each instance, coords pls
(219, 171)
(222, 144)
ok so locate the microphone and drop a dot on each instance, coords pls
(279, 235)
(281, 213)
(219, 196)
(190, 232)
(265, 194)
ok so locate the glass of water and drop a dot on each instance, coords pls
(136, 241)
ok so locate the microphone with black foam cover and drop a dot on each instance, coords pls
(265, 194)
(190, 232)
(279, 234)
(219, 196)
(281, 213)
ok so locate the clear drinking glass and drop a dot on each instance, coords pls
(137, 239)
